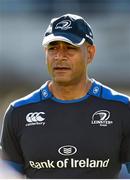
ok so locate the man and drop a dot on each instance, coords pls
(73, 126)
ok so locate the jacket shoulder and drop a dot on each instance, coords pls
(36, 96)
(110, 94)
(33, 97)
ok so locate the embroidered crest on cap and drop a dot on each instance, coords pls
(64, 25)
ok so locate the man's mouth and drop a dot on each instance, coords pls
(62, 68)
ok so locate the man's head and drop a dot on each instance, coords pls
(69, 48)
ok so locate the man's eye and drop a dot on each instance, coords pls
(51, 48)
(71, 47)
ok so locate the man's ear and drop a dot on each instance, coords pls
(91, 52)
(45, 51)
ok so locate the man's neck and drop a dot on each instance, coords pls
(70, 92)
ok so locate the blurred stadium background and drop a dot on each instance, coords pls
(22, 24)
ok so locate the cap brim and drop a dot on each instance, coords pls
(50, 38)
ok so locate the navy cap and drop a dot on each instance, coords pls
(68, 28)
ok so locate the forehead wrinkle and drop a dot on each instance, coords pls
(59, 42)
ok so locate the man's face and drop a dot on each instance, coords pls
(66, 63)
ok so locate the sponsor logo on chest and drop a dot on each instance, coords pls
(72, 163)
(101, 118)
(69, 150)
(35, 118)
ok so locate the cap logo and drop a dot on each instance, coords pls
(64, 25)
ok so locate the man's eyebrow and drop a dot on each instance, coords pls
(53, 43)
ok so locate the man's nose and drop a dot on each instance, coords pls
(61, 54)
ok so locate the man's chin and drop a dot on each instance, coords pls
(62, 81)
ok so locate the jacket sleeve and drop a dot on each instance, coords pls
(125, 145)
(11, 152)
